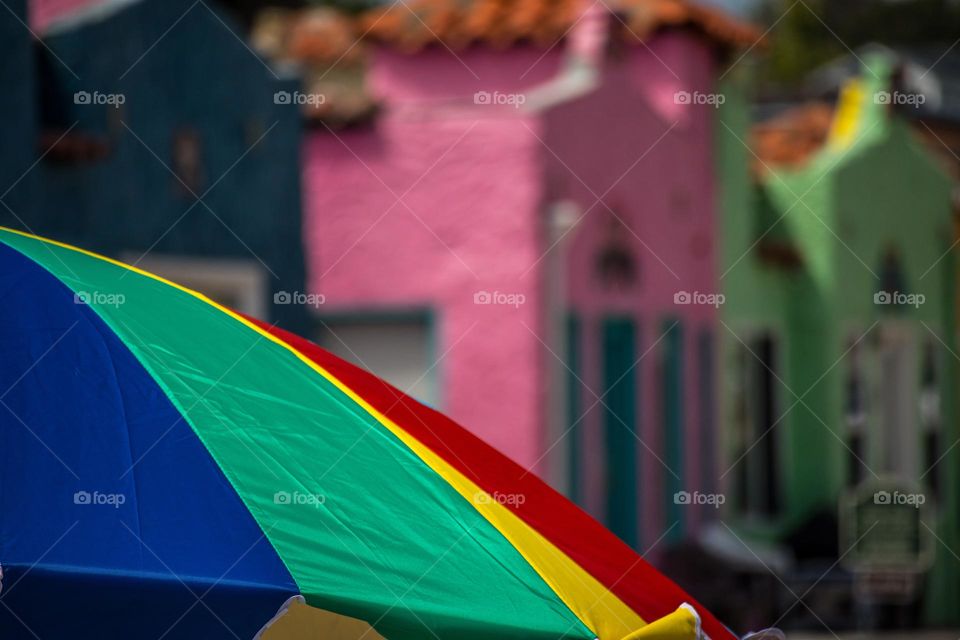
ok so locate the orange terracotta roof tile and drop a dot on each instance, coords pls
(658, 14)
(326, 46)
(791, 138)
(413, 24)
(314, 36)
(322, 35)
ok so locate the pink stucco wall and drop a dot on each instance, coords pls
(470, 180)
(469, 187)
(478, 181)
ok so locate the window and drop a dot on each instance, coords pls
(240, 285)
(855, 416)
(398, 348)
(614, 264)
(187, 163)
(756, 421)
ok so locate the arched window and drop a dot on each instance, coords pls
(615, 266)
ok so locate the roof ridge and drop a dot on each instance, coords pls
(413, 25)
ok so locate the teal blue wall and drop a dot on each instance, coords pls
(198, 76)
(18, 124)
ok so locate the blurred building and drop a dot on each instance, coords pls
(926, 76)
(149, 131)
(521, 232)
(838, 365)
(18, 109)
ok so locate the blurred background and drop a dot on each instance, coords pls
(694, 264)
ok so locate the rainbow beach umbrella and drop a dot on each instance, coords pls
(172, 469)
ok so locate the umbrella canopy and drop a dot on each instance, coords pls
(170, 468)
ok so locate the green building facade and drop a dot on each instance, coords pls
(837, 345)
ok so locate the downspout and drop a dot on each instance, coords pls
(585, 47)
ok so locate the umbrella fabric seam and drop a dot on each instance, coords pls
(411, 415)
(148, 368)
(606, 597)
